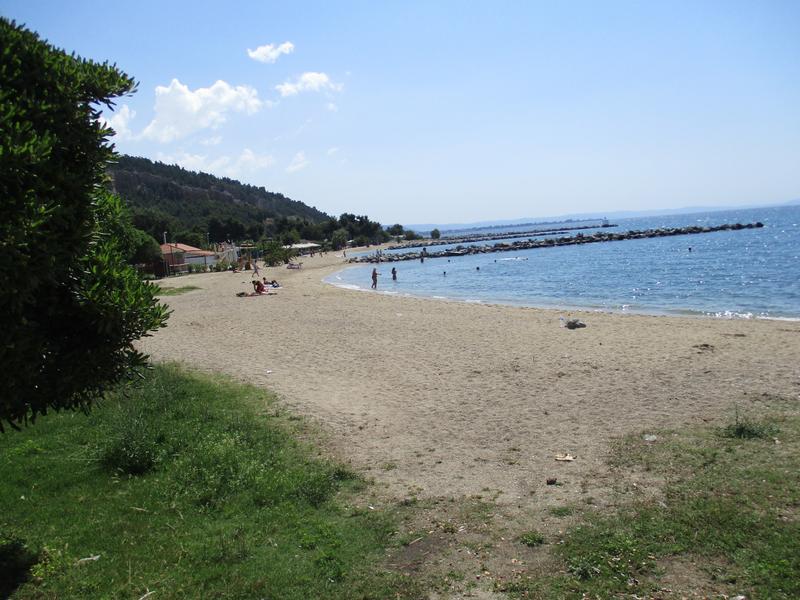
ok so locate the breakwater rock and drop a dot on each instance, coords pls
(486, 237)
(600, 236)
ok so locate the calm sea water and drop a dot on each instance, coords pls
(736, 274)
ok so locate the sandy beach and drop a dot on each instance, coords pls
(446, 399)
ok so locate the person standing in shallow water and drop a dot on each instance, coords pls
(374, 278)
(394, 274)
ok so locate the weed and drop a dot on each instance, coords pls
(51, 563)
(561, 511)
(531, 538)
(747, 429)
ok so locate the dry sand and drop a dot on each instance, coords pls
(435, 398)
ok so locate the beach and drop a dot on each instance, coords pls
(435, 398)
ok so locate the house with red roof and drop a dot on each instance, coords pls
(180, 256)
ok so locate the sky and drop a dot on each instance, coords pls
(442, 112)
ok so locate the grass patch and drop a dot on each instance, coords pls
(747, 428)
(730, 508)
(186, 487)
(176, 291)
(531, 539)
(561, 511)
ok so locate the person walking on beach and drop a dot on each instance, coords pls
(374, 278)
(255, 269)
(394, 274)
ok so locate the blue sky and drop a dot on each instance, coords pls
(457, 111)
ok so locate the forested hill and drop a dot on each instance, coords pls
(169, 198)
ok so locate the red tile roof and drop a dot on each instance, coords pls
(190, 250)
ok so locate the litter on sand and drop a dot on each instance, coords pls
(565, 457)
(572, 323)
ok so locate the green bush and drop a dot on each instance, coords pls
(70, 305)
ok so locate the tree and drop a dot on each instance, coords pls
(70, 305)
(436, 234)
(273, 253)
(339, 238)
(291, 237)
(146, 250)
(395, 229)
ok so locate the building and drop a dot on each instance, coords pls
(178, 257)
(304, 248)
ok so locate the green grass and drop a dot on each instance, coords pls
(188, 487)
(747, 428)
(730, 509)
(531, 538)
(176, 291)
(561, 511)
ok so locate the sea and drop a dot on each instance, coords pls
(745, 274)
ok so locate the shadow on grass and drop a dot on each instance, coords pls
(16, 560)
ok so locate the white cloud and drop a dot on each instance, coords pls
(308, 82)
(331, 107)
(120, 121)
(248, 162)
(214, 140)
(181, 111)
(298, 162)
(270, 53)
(332, 151)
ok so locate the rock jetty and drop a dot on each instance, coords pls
(600, 236)
(485, 237)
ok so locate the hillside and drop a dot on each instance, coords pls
(190, 205)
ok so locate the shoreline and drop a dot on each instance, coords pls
(680, 313)
(451, 399)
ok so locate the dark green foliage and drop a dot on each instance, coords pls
(436, 234)
(339, 238)
(273, 253)
(70, 307)
(169, 198)
(190, 206)
(145, 248)
(395, 229)
(359, 227)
